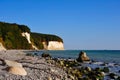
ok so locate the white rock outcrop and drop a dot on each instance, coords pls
(34, 47)
(2, 47)
(27, 36)
(52, 45)
(55, 45)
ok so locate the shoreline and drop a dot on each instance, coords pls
(37, 68)
(56, 68)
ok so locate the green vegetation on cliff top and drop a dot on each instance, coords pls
(11, 37)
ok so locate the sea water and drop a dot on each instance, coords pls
(111, 58)
(108, 56)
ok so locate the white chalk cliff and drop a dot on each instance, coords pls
(27, 36)
(52, 45)
(55, 45)
(17, 36)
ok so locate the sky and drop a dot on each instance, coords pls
(82, 24)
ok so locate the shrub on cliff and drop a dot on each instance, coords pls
(11, 37)
(38, 38)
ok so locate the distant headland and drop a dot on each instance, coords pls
(15, 36)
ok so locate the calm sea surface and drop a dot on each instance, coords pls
(97, 55)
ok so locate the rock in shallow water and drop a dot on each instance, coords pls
(46, 55)
(88, 69)
(82, 57)
(106, 69)
(113, 76)
(102, 73)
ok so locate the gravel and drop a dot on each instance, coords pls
(37, 68)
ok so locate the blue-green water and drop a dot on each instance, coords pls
(97, 55)
(110, 57)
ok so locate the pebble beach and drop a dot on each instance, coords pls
(36, 67)
(22, 65)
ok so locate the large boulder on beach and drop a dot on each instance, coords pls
(12, 63)
(15, 67)
(17, 71)
(83, 57)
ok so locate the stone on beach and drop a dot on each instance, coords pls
(49, 78)
(12, 63)
(82, 57)
(17, 70)
(15, 67)
(34, 67)
(42, 68)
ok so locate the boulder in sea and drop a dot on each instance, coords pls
(46, 55)
(106, 70)
(102, 73)
(82, 57)
(29, 54)
(112, 75)
(118, 78)
(88, 69)
(17, 71)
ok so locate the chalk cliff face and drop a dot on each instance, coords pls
(15, 36)
(52, 45)
(55, 45)
(27, 36)
(47, 41)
